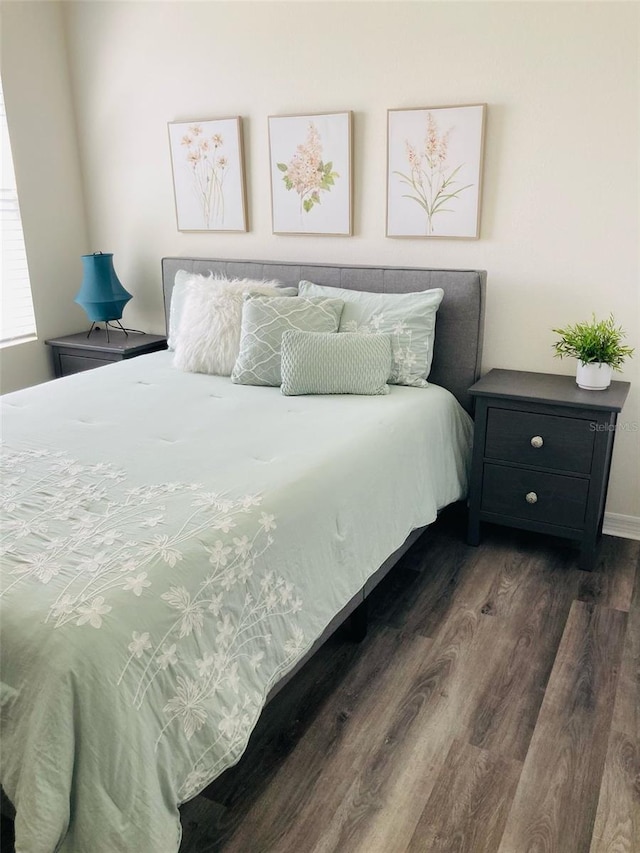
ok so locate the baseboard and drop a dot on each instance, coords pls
(625, 526)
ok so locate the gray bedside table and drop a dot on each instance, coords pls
(75, 353)
(541, 455)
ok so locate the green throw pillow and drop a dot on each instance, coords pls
(410, 319)
(326, 363)
(265, 319)
(178, 296)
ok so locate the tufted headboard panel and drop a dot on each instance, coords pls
(460, 319)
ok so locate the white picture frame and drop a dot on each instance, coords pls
(311, 174)
(207, 159)
(434, 171)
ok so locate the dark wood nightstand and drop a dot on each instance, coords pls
(541, 455)
(75, 353)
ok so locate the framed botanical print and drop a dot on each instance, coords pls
(310, 161)
(434, 171)
(208, 174)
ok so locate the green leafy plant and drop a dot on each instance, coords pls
(593, 342)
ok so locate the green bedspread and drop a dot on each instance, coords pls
(172, 545)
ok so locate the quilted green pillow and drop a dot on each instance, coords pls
(410, 319)
(264, 321)
(326, 363)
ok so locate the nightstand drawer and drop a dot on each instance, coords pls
(77, 363)
(564, 443)
(536, 496)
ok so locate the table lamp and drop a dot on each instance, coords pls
(101, 294)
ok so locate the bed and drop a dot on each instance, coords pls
(175, 546)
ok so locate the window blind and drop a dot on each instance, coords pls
(17, 320)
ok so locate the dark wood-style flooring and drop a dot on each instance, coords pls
(494, 707)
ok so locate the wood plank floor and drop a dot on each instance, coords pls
(493, 707)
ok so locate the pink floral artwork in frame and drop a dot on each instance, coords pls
(434, 171)
(208, 174)
(310, 162)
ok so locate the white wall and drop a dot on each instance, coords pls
(35, 79)
(560, 215)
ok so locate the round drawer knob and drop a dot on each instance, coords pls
(531, 498)
(537, 441)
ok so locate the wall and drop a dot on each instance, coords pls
(35, 79)
(560, 212)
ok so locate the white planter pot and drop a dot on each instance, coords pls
(594, 377)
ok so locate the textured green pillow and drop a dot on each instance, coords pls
(410, 319)
(326, 363)
(265, 319)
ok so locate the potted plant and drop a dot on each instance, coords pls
(598, 347)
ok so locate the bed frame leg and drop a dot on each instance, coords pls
(357, 623)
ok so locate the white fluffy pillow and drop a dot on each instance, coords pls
(208, 338)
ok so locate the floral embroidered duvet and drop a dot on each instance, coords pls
(172, 544)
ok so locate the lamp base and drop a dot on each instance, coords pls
(115, 324)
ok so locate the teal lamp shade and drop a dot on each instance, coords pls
(101, 294)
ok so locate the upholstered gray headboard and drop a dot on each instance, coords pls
(459, 324)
